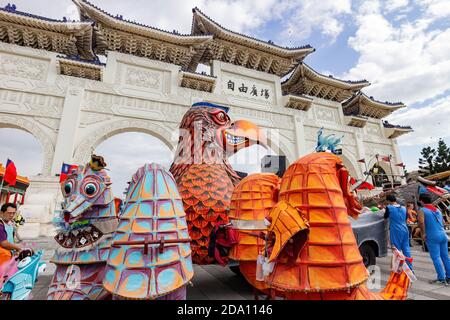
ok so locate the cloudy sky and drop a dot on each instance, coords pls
(401, 46)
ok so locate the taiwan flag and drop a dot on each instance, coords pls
(65, 170)
(10, 173)
(365, 185)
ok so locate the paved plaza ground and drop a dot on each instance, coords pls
(215, 282)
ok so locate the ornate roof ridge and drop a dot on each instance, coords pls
(362, 95)
(330, 77)
(295, 95)
(355, 114)
(204, 74)
(386, 124)
(120, 18)
(80, 60)
(269, 43)
(34, 16)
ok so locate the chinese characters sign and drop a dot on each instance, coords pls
(248, 88)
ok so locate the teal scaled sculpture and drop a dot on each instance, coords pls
(329, 142)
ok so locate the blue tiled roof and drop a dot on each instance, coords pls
(269, 42)
(78, 59)
(329, 76)
(13, 9)
(385, 102)
(203, 73)
(389, 125)
(120, 18)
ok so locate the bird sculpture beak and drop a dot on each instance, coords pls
(243, 134)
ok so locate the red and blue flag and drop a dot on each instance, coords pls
(65, 170)
(10, 173)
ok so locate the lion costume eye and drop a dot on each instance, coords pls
(68, 187)
(90, 189)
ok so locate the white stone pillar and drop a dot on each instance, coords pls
(109, 74)
(398, 158)
(361, 151)
(42, 199)
(68, 127)
(216, 71)
(300, 139)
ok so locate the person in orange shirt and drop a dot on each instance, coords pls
(412, 218)
(7, 246)
(412, 214)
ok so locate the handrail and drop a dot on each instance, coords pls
(147, 242)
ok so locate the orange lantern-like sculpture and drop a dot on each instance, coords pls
(310, 249)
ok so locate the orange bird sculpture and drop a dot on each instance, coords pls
(201, 169)
(299, 225)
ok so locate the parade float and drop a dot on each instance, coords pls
(204, 176)
(104, 255)
(309, 250)
(149, 84)
(291, 236)
(74, 84)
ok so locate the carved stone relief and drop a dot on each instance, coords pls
(326, 114)
(30, 103)
(22, 67)
(132, 107)
(373, 129)
(143, 78)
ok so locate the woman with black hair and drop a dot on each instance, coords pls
(398, 229)
(431, 223)
(7, 245)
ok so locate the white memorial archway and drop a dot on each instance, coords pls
(71, 102)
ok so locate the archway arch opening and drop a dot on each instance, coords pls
(381, 176)
(126, 152)
(23, 148)
(90, 142)
(350, 166)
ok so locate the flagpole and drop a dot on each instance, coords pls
(367, 168)
(1, 187)
(392, 172)
(378, 166)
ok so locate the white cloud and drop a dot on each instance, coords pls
(436, 8)
(435, 126)
(170, 15)
(298, 18)
(408, 63)
(392, 5)
(303, 17)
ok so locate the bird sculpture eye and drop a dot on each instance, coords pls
(220, 118)
(90, 189)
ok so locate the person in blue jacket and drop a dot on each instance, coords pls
(432, 224)
(398, 229)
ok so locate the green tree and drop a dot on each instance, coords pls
(442, 161)
(426, 163)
